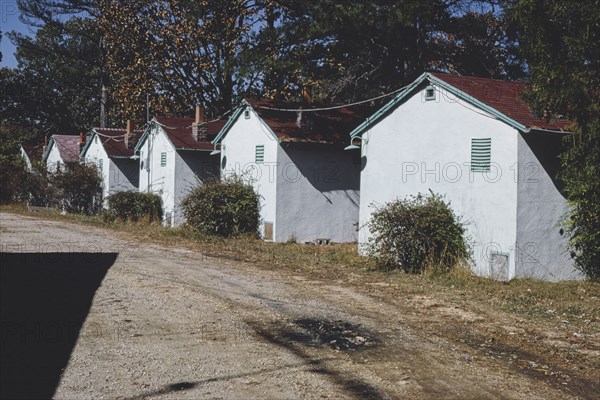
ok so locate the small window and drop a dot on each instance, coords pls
(259, 154)
(100, 164)
(96, 139)
(481, 154)
(429, 93)
(247, 113)
(163, 159)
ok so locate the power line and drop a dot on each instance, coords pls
(334, 107)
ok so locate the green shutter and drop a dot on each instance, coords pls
(259, 154)
(481, 154)
(163, 159)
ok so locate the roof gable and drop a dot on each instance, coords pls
(505, 97)
(289, 123)
(179, 131)
(67, 146)
(501, 99)
(34, 151)
(113, 142)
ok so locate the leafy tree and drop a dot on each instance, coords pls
(561, 44)
(180, 52)
(42, 12)
(483, 44)
(56, 87)
(12, 167)
(350, 49)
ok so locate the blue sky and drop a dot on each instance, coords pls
(9, 21)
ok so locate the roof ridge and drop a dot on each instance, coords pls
(479, 77)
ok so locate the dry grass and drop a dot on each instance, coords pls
(574, 303)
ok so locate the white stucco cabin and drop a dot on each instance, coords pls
(308, 184)
(62, 150)
(477, 142)
(31, 153)
(112, 151)
(174, 157)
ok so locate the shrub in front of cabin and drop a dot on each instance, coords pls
(78, 188)
(134, 207)
(225, 208)
(13, 175)
(39, 191)
(417, 234)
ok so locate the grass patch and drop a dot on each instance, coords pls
(575, 304)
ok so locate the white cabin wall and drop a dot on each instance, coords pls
(192, 168)
(94, 153)
(25, 158)
(153, 177)
(542, 248)
(54, 159)
(317, 193)
(426, 145)
(238, 158)
(124, 175)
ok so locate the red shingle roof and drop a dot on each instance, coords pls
(504, 96)
(68, 147)
(179, 131)
(114, 142)
(34, 151)
(331, 126)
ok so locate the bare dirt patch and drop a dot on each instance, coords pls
(171, 322)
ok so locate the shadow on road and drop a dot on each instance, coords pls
(300, 334)
(45, 298)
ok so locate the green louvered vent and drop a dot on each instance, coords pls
(163, 159)
(259, 156)
(481, 154)
(100, 164)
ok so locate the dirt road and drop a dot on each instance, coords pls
(170, 323)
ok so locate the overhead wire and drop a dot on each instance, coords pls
(334, 107)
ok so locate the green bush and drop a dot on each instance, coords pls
(134, 206)
(417, 233)
(39, 191)
(13, 178)
(224, 208)
(78, 188)
(581, 175)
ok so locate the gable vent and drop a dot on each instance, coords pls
(429, 93)
(259, 155)
(481, 154)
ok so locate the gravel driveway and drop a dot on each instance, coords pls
(170, 323)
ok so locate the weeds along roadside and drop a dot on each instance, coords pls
(573, 305)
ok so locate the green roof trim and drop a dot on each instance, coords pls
(51, 143)
(232, 120)
(88, 143)
(395, 102)
(143, 138)
(470, 99)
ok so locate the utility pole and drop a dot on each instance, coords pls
(104, 94)
(103, 107)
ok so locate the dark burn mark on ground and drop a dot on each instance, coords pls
(338, 335)
(300, 335)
